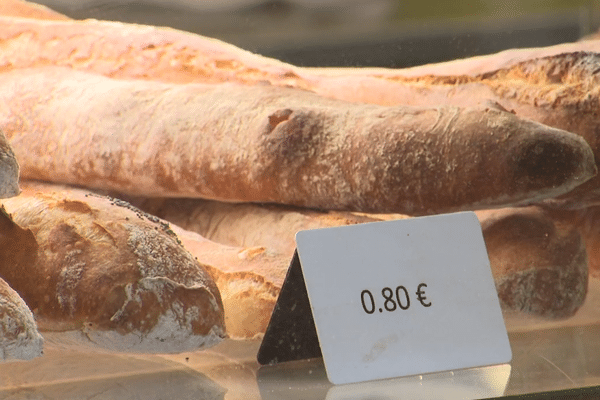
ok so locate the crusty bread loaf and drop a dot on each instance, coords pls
(539, 263)
(27, 9)
(19, 336)
(272, 144)
(9, 170)
(104, 274)
(248, 278)
(134, 51)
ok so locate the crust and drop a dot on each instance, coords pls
(110, 275)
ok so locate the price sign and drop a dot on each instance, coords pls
(404, 297)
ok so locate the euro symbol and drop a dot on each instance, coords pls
(421, 295)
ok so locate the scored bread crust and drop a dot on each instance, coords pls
(272, 144)
(248, 278)
(122, 50)
(106, 275)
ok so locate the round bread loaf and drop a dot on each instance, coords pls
(103, 273)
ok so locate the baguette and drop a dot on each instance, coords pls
(562, 91)
(99, 273)
(539, 264)
(19, 335)
(272, 144)
(121, 50)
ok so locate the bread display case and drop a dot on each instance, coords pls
(158, 157)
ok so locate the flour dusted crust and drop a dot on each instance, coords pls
(248, 277)
(110, 276)
(19, 336)
(561, 91)
(273, 144)
(539, 261)
(556, 86)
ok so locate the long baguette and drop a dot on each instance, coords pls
(539, 265)
(273, 144)
(134, 51)
(560, 90)
(98, 273)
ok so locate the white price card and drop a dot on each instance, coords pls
(404, 297)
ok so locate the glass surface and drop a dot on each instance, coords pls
(543, 360)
